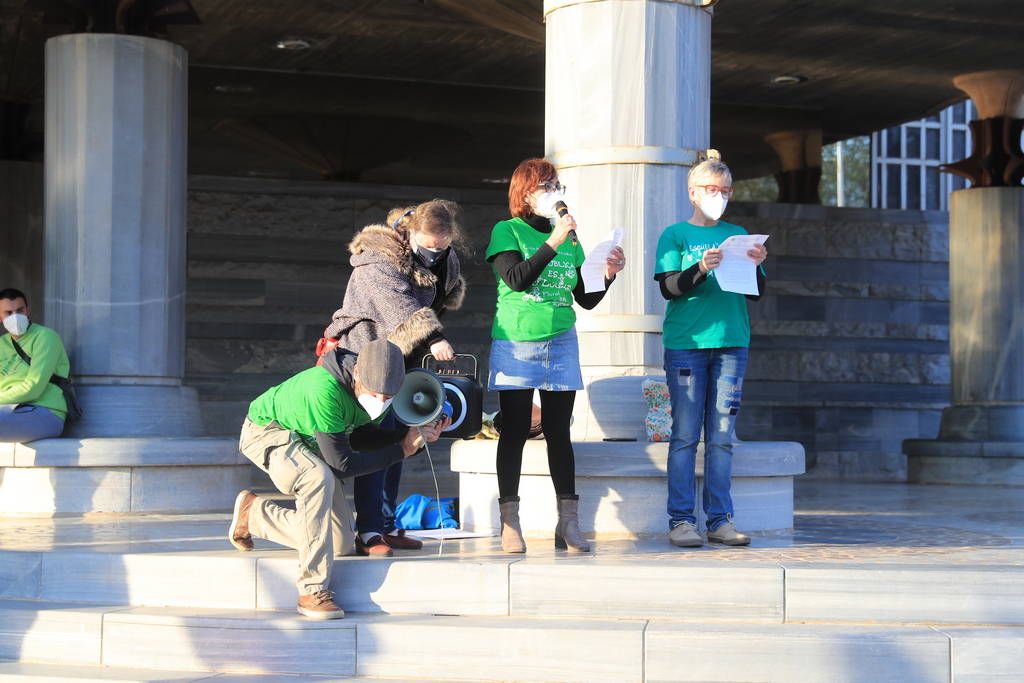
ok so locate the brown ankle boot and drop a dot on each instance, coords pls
(320, 605)
(567, 531)
(511, 534)
(238, 532)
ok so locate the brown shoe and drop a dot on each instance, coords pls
(376, 547)
(238, 532)
(399, 541)
(320, 605)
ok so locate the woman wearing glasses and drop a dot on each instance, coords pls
(536, 260)
(706, 335)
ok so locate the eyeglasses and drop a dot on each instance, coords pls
(552, 186)
(714, 190)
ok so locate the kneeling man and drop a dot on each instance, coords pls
(32, 364)
(308, 433)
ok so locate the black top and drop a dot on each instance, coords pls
(675, 283)
(519, 274)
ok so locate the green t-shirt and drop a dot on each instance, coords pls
(309, 402)
(706, 318)
(21, 383)
(544, 310)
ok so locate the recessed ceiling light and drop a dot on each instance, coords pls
(788, 79)
(495, 181)
(292, 44)
(234, 89)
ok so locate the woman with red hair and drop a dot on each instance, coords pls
(536, 260)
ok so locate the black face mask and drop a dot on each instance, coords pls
(430, 257)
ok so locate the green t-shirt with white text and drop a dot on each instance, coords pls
(544, 310)
(706, 317)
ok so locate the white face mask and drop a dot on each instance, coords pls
(545, 204)
(373, 406)
(16, 324)
(713, 207)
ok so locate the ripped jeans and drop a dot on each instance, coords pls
(705, 386)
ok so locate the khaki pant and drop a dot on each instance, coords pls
(320, 526)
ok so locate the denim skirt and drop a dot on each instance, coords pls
(552, 365)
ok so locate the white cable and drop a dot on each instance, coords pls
(437, 494)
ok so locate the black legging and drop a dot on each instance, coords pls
(556, 414)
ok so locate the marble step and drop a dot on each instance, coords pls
(682, 588)
(15, 672)
(245, 642)
(122, 475)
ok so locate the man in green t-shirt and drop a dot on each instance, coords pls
(31, 406)
(308, 433)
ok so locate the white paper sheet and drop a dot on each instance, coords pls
(436, 534)
(737, 273)
(594, 266)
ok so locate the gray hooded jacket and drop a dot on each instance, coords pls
(390, 293)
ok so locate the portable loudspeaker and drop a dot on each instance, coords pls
(421, 399)
(462, 392)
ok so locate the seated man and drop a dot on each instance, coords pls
(31, 407)
(308, 433)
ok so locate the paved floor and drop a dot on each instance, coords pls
(835, 522)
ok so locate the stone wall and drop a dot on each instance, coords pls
(268, 263)
(21, 230)
(850, 349)
(849, 353)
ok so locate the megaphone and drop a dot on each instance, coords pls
(421, 400)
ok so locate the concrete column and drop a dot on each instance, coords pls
(800, 156)
(115, 184)
(981, 437)
(627, 109)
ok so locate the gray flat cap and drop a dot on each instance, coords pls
(381, 367)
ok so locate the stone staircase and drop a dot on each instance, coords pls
(175, 604)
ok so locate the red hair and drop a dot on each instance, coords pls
(527, 176)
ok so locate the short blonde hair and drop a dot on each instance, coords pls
(438, 217)
(711, 164)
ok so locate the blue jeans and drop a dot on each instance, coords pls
(376, 497)
(27, 422)
(376, 494)
(705, 386)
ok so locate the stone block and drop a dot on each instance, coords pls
(43, 631)
(149, 579)
(127, 452)
(46, 490)
(986, 655)
(245, 642)
(478, 648)
(190, 489)
(794, 653)
(419, 586)
(627, 590)
(19, 574)
(904, 594)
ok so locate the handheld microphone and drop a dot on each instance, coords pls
(562, 210)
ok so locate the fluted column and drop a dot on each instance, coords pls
(115, 262)
(627, 110)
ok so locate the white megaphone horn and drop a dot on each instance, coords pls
(421, 399)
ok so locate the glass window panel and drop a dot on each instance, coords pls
(913, 186)
(892, 142)
(936, 118)
(959, 145)
(878, 185)
(932, 137)
(931, 181)
(913, 142)
(893, 182)
(960, 112)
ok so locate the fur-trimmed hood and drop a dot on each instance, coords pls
(383, 244)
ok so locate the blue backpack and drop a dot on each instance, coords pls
(421, 512)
